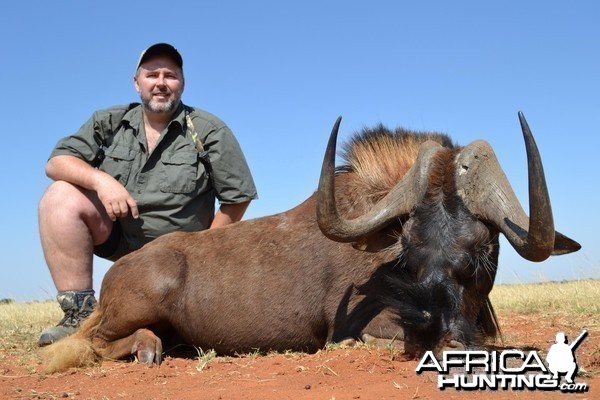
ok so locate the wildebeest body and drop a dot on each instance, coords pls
(400, 243)
(275, 294)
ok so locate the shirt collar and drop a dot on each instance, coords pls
(179, 116)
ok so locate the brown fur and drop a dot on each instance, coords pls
(274, 283)
(442, 187)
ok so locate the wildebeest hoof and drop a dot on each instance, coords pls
(147, 347)
(148, 357)
(381, 343)
(347, 342)
(453, 345)
(368, 339)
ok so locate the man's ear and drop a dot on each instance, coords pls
(136, 84)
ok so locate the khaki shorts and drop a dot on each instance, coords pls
(116, 246)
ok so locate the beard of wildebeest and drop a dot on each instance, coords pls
(445, 270)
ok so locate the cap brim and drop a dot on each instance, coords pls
(161, 49)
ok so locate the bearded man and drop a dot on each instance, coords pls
(131, 174)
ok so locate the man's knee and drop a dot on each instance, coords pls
(57, 195)
(65, 206)
(62, 195)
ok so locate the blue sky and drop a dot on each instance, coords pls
(279, 73)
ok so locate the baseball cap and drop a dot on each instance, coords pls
(161, 49)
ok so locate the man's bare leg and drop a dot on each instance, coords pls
(72, 221)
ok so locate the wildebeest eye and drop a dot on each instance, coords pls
(483, 261)
(476, 254)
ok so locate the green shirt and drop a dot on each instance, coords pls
(171, 186)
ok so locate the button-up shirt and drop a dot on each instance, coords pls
(171, 185)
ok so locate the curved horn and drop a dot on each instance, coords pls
(486, 192)
(401, 199)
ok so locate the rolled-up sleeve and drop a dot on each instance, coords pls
(84, 144)
(87, 142)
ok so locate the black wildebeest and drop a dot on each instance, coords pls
(401, 242)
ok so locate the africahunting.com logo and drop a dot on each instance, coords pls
(509, 369)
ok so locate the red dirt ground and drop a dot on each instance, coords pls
(353, 373)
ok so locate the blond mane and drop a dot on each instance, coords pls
(380, 157)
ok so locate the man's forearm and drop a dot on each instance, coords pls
(73, 170)
(228, 214)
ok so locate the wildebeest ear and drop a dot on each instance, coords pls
(564, 245)
(379, 240)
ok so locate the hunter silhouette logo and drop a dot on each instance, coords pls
(508, 369)
(561, 356)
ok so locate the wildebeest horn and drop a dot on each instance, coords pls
(401, 199)
(486, 192)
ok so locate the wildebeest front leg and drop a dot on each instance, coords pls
(148, 347)
(143, 343)
(383, 331)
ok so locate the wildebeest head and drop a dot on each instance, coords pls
(442, 219)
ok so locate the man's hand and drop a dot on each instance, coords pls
(114, 197)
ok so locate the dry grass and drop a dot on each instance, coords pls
(573, 297)
(24, 319)
(21, 323)
(20, 326)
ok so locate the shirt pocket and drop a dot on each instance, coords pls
(180, 172)
(117, 163)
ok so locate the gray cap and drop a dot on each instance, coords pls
(161, 49)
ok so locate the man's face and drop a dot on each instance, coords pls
(159, 81)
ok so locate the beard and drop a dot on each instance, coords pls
(160, 107)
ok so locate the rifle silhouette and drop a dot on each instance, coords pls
(577, 341)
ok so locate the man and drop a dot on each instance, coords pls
(131, 174)
(561, 358)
